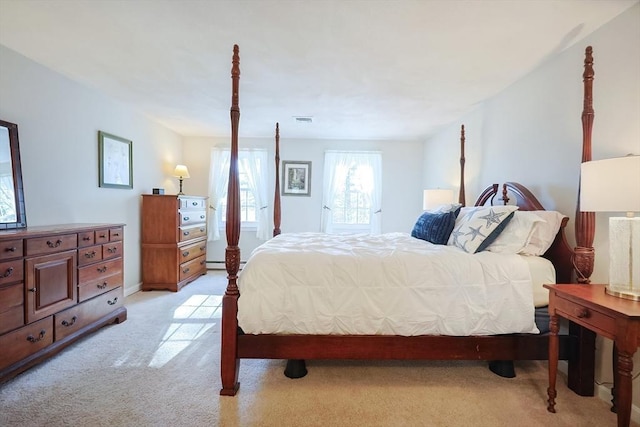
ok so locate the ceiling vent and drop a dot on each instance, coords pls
(303, 119)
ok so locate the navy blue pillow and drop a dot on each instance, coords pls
(435, 227)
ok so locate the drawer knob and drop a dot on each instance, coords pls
(113, 301)
(11, 249)
(102, 285)
(582, 313)
(185, 233)
(186, 270)
(69, 323)
(31, 338)
(185, 254)
(8, 273)
(102, 269)
(186, 218)
(32, 290)
(90, 254)
(112, 250)
(54, 245)
(86, 238)
(194, 203)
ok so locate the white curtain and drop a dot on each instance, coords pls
(218, 183)
(336, 168)
(253, 162)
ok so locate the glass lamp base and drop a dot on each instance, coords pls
(626, 294)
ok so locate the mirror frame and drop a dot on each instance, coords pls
(21, 215)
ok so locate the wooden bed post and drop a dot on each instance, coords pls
(276, 196)
(229, 361)
(585, 221)
(461, 196)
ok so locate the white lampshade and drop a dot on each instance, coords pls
(181, 171)
(610, 185)
(432, 198)
(613, 185)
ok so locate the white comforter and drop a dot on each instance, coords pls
(390, 284)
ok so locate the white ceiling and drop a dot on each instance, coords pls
(362, 69)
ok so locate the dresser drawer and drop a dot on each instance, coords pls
(11, 271)
(87, 238)
(75, 318)
(584, 316)
(51, 244)
(193, 267)
(25, 341)
(89, 255)
(112, 250)
(193, 217)
(11, 307)
(195, 203)
(102, 236)
(116, 234)
(189, 252)
(11, 249)
(99, 270)
(96, 287)
(193, 232)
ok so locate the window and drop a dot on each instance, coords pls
(351, 192)
(252, 175)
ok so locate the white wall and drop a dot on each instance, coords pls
(532, 133)
(58, 122)
(401, 182)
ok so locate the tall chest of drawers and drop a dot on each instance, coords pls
(57, 284)
(174, 240)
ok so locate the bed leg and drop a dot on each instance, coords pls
(229, 362)
(502, 368)
(296, 368)
(582, 360)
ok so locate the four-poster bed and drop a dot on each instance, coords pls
(577, 346)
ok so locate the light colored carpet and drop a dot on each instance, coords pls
(161, 368)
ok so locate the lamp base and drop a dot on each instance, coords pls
(634, 296)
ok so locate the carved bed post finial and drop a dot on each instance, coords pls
(585, 221)
(229, 362)
(276, 196)
(461, 194)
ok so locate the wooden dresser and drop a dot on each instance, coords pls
(57, 284)
(174, 240)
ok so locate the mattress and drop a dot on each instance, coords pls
(389, 284)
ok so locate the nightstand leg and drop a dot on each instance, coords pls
(616, 380)
(623, 391)
(553, 363)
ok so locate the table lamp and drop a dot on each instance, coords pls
(432, 198)
(181, 172)
(613, 185)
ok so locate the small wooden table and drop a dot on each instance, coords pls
(615, 318)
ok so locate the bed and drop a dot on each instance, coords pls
(388, 339)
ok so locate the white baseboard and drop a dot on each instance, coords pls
(128, 290)
(604, 393)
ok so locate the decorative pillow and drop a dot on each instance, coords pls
(516, 235)
(435, 227)
(544, 232)
(476, 228)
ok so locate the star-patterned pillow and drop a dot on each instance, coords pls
(477, 227)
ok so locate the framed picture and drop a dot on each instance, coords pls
(115, 156)
(296, 178)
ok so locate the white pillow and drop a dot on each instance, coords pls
(543, 233)
(516, 235)
(477, 227)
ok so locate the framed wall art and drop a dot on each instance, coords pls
(296, 178)
(115, 161)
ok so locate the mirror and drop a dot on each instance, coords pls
(12, 212)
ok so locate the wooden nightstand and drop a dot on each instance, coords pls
(612, 317)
